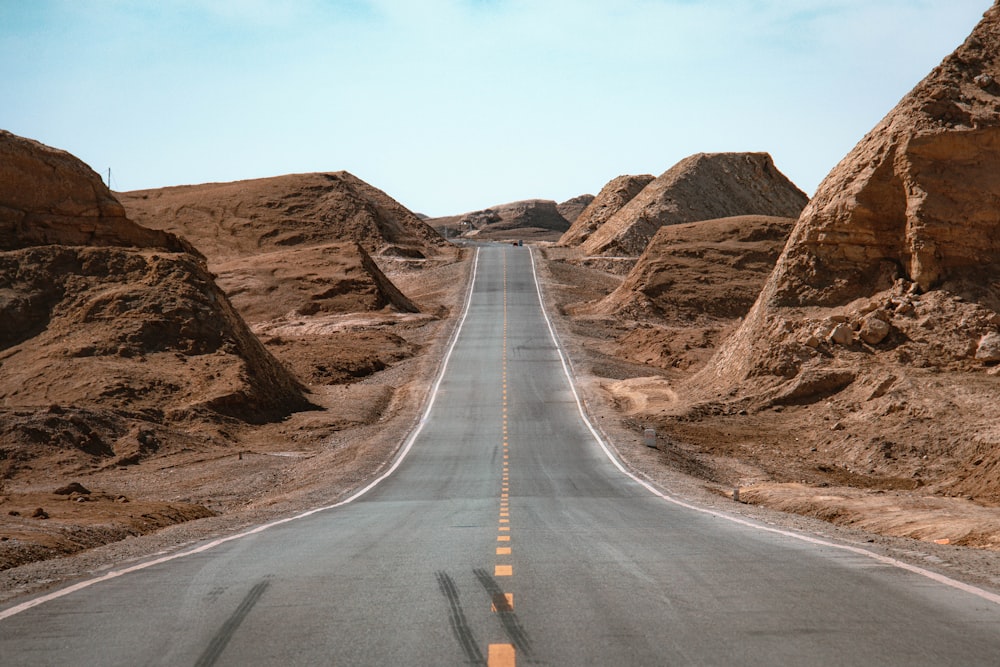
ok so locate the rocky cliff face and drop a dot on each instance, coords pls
(49, 197)
(914, 208)
(884, 308)
(612, 197)
(700, 187)
(918, 198)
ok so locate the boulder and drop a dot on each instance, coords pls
(989, 347)
(874, 329)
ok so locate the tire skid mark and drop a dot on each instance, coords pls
(221, 639)
(508, 619)
(459, 623)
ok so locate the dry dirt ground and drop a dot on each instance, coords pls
(316, 457)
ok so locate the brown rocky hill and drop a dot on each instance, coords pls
(572, 208)
(294, 254)
(689, 288)
(111, 336)
(883, 308)
(704, 186)
(228, 220)
(612, 197)
(532, 218)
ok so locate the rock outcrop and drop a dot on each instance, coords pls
(707, 269)
(572, 208)
(527, 216)
(700, 187)
(49, 197)
(612, 197)
(906, 226)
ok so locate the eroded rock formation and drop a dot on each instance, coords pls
(700, 187)
(612, 197)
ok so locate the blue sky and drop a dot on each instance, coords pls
(454, 105)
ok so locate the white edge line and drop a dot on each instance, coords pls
(408, 444)
(940, 578)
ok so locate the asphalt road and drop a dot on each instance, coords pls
(507, 534)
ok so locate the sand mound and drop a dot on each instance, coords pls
(612, 197)
(297, 248)
(700, 187)
(229, 220)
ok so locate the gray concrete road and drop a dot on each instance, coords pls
(506, 535)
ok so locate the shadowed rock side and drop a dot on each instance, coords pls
(534, 218)
(572, 208)
(330, 278)
(700, 187)
(612, 197)
(229, 220)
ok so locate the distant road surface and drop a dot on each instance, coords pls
(507, 536)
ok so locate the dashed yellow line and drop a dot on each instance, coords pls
(503, 655)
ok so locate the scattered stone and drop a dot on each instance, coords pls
(984, 80)
(989, 347)
(842, 334)
(121, 499)
(39, 513)
(874, 329)
(72, 487)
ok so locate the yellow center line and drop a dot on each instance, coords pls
(503, 571)
(503, 602)
(503, 538)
